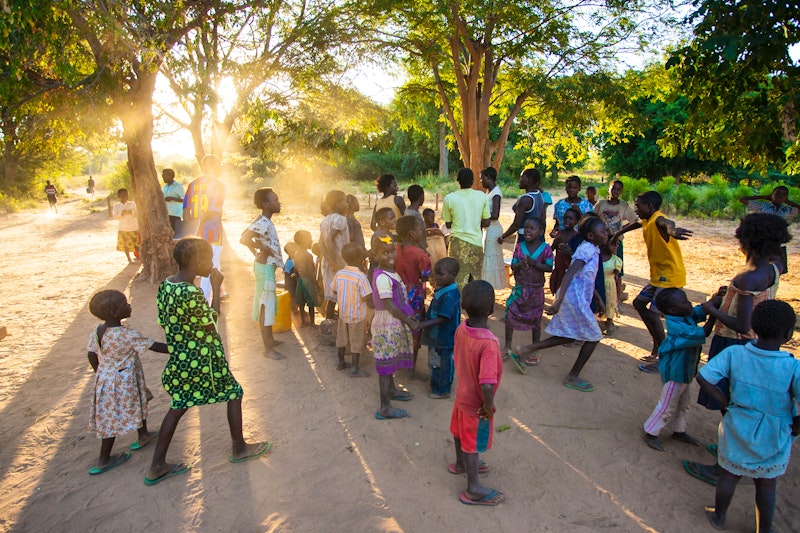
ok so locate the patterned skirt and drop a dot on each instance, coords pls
(128, 241)
(391, 344)
(524, 308)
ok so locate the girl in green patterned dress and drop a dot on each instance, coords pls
(197, 371)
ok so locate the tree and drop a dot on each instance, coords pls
(741, 84)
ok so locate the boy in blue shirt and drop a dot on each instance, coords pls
(439, 330)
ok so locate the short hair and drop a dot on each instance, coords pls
(382, 242)
(428, 211)
(490, 172)
(166, 172)
(575, 210)
(261, 195)
(103, 304)
(591, 188)
(664, 298)
(211, 163)
(617, 181)
(536, 220)
(333, 199)
(763, 234)
(448, 264)
(303, 238)
(383, 213)
(651, 198)
(382, 183)
(352, 202)
(465, 178)
(122, 191)
(405, 225)
(771, 319)
(415, 192)
(573, 179)
(477, 298)
(533, 175)
(291, 249)
(588, 222)
(352, 254)
(189, 248)
(781, 188)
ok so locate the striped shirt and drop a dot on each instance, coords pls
(351, 286)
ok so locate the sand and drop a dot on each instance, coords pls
(570, 461)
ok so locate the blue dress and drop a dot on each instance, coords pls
(755, 437)
(575, 319)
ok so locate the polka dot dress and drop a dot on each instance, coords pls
(197, 371)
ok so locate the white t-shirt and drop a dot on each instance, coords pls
(126, 213)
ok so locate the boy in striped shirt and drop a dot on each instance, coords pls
(353, 296)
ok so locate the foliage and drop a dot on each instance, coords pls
(119, 178)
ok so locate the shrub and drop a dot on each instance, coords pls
(685, 199)
(119, 178)
(716, 196)
(666, 188)
(633, 188)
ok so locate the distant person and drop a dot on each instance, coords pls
(572, 186)
(173, 196)
(119, 402)
(530, 205)
(615, 212)
(777, 203)
(465, 212)
(591, 194)
(202, 205)
(387, 185)
(90, 187)
(416, 197)
(494, 267)
(52, 196)
(128, 234)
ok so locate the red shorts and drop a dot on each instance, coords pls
(474, 433)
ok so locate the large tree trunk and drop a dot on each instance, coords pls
(154, 226)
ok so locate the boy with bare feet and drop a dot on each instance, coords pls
(353, 297)
(439, 330)
(479, 366)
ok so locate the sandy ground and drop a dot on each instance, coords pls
(570, 461)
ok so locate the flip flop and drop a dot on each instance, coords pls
(582, 386)
(264, 448)
(649, 358)
(401, 413)
(493, 498)
(136, 446)
(649, 368)
(713, 449)
(533, 359)
(514, 357)
(116, 460)
(177, 470)
(702, 472)
(402, 396)
(483, 468)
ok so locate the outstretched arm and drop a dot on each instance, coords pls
(668, 229)
(626, 228)
(523, 205)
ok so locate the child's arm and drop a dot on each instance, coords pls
(93, 360)
(626, 228)
(247, 240)
(715, 393)
(667, 228)
(486, 410)
(432, 322)
(747, 199)
(369, 302)
(409, 321)
(573, 269)
(159, 347)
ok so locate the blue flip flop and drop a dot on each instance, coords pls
(517, 362)
(582, 386)
(493, 498)
(116, 460)
(177, 470)
(401, 413)
(649, 368)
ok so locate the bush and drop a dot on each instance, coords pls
(685, 199)
(119, 178)
(737, 209)
(716, 196)
(666, 188)
(633, 188)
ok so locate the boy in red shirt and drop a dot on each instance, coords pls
(479, 366)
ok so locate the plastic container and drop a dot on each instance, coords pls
(283, 311)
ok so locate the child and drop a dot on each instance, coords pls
(353, 296)
(429, 216)
(777, 203)
(414, 267)
(290, 275)
(438, 331)
(197, 372)
(353, 225)
(591, 194)
(479, 367)
(261, 238)
(306, 292)
(760, 419)
(572, 186)
(679, 355)
(562, 248)
(386, 226)
(612, 266)
(416, 197)
(392, 324)
(120, 399)
(524, 307)
(128, 234)
(574, 320)
(333, 234)
(387, 186)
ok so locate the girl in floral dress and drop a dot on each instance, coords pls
(119, 403)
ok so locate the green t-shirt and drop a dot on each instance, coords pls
(464, 209)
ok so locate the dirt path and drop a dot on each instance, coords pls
(570, 462)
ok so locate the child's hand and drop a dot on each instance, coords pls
(413, 323)
(716, 299)
(553, 309)
(485, 413)
(500, 240)
(554, 233)
(216, 278)
(601, 309)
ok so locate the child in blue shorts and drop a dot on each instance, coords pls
(439, 330)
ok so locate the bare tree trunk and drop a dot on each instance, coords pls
(444, 154)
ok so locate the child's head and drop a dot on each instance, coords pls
(109, 305)
(465, 178)
(383, 252)
(593, 229)
(673, 301)
(408, 228)
(291, 249)
(386, 184)
(416, 194)
(616, 189)
(445, 271)
(571, 217)
(315, 249)
(266, 199)
(352, 204)
(773, 320)
(572, 186)
(591, 193)
(762, 234)
(429, 216)
(530, 178)
(352, 254)
(477, 299)
(303, 239)
(646, 204)
(194, 252)
(489, 178)
(534, 230)
(385, 218)
(122, 194)
(779, 195)
(212, 166)
(336, 201)
(168, 175)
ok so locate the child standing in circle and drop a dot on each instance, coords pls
(574, 320)
(392, 345)
(387, 186)
(444, 315)
(760, 420)
(197, 371)
(612, 267)
(333, 234)
(128, 234)
(120, 399)
(354, 297)
(306, 292)
(524, 307)
(562, 248)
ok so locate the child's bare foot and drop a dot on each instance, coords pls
(249, 451)
(341, 365)
(715, 520)
(274, 354)
(358, 374)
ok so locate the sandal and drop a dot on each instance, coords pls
(533, 359)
